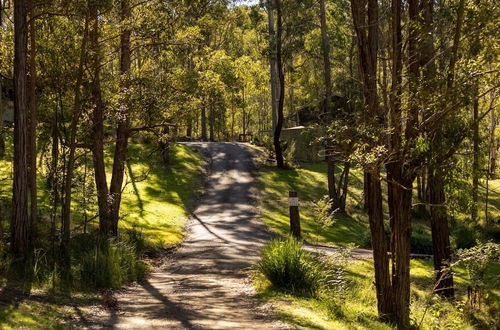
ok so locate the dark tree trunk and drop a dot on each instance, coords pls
(123, 119)
(273, 65)
(20, 219)
(98, 131)
(440, 236)
(32, 120)
(334, 193)
(2, 135)
(53, 181)
(281, 91)
(211, 122)
(203, 122)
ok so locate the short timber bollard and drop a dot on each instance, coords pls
(293, 203)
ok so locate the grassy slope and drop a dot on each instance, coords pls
(310, 184)
(358, 311)
(157, 205)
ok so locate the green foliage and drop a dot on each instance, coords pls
(290, 268)
(477, 260)
(463, 236)
(323, 208)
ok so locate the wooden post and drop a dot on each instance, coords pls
(293, 203)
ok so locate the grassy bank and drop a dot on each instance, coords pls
(357, 309)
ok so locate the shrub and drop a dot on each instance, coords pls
(463, 237)
(291, 269)
(323, 211)
(105, 262)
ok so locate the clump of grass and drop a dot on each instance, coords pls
(291, 269)
(101, 262)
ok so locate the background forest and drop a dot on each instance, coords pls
(382, 114)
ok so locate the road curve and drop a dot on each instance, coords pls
(204, 285)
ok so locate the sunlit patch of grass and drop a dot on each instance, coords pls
(35, 315)
(310, 183)
(158, 198)
(359, 308)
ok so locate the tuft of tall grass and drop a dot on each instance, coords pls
(101, 262)
(291, 269)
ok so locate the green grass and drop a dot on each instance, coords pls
(310, 183)
(59, 312)
(358, 310)
(160, 205)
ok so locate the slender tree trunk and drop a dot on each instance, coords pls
(2, 109)
(75, 117)
(53, 181)
(440, 236)
(399, 181)
(2, 135)
(281, 92)
(20, 219)
(439, 218)
(203, 122)
(32, 120)
(273, 65)
(366, 27)
(123, 118)
(474, 51)
(325, 45)
(493, 147)
(244, 110)
(211, 121)
(475, 154)
(98, 131)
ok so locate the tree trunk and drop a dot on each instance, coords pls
(244, 111)
(2, 135)
(281, 92)
(475, 154)
(493, 147)
(203, 122)
(98, 131)
(20, 220)
(440, 236)
(75, 117)
(32, 120)
(211, 121)
(273, 65)
(325, 45)
(439, 219)
(123, 119)
(366, 27)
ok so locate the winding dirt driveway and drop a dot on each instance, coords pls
(204, 285)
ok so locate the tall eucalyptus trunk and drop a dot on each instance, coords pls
(20, 216)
